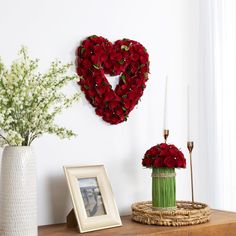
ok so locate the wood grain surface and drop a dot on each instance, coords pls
(221, 224)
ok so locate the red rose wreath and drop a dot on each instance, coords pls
(164, 155)
(96, 56)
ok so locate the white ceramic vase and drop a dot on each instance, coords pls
(18, 206)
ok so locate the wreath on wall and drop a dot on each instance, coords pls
(95, 58)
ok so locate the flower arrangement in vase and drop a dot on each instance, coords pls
(29, 103)
(163, 159)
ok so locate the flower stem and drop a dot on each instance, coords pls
(1, 136)
(163, 188)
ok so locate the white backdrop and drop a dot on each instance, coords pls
(170, 32)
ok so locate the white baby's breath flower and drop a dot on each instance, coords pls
(30, 101)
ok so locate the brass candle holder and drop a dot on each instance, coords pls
(166, 134)
(190, 146)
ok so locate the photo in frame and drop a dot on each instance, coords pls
(93, 201)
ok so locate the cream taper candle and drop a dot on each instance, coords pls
(165, 105)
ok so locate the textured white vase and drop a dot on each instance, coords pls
(18, 206)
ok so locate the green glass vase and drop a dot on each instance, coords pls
(163, 188)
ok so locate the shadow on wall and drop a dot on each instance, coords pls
(59, 198)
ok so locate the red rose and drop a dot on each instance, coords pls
(140, 93)
(170, 162)
(118, 57)
(164, 153)
(99, 80)
(86, 64)
(86, 43)
(147, 162)
(120, 115)
(163, 146)
(134, 68)
(127, 103)
(97, 73)
(91, 92)
(181, 162)
(117, 69)
(152, 151)
(95, 59)
(97, 101)
(143, 59)
(131, 95)
(103, 89)
(120, 111)
(99, 111)
(109, 96)
(116, 119)
(96, 39)
(108, 64)
(90, 99)
(121, 90)
(138, 82)
(103, 57)
(144, 70)
(78, 51)
(107, 114)
(113, 119)
(79, 71)
(158, 162)
(174, 152)
(180, 154)
(98, 49)
(113, 55)
(133, 103)
(135, 57)
(113, 104)
(142, 51)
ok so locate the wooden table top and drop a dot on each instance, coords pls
(222, 223)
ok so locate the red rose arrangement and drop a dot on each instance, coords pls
(164, 155)
(95, 57)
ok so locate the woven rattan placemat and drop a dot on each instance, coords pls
(186, 213)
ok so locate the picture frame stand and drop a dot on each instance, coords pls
(71, 220)
(91, 196)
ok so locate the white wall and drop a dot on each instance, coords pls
(53, 29)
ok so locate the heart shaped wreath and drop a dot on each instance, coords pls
(95, 57)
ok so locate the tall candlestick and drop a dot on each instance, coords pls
(165, 105)
(165, 134)
(190, 149)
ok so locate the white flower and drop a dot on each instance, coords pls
(30, 101)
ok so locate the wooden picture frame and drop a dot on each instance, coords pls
(92, 197)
